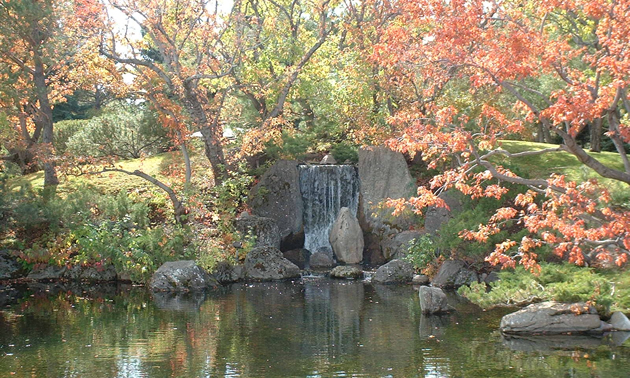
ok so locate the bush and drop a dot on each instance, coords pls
(422, 252)
(343, 152)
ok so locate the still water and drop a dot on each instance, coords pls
(308, 328)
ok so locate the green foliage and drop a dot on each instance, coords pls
(291, 146)
(343, 152)
(422, 251)
(124, 130)
(558, 282)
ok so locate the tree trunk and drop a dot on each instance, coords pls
(44, 117)
(596, 135)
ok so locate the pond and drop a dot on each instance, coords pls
(308, 328)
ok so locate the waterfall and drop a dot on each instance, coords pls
(326, 189)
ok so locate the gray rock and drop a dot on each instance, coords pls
(553, 318)
(619, 321)
(320, 260)
(433, 300)
(47, 272)
(420, 279)
(181, 276)
(225, 273)
(347, 272)
(268, 264)
(491, 277)
(435, 217)
(396, 246)
(346, 238)
(9, 267)
(277, 196)
(264, 229)
(91, 273)
(384, 174)
(328, 159)
(395, 271)
(299, 257)
(453, 274)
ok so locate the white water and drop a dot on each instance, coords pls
(325, 190)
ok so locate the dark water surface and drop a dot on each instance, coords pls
(311, 328)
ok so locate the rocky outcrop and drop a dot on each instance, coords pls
(265, 230)
(9, 267)
(384, 174)
(395, 271)
(433, 300)
(346, 238)
(277, 196)
(320, 260)
(299, 257)
(181, 276)
(453, 274)
(346, 272)
(620, 322)
(268, 264)
(91, 273)
(226, 273)
(554, 318)
(396, 246)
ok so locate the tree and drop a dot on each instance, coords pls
(505, 47)
(178, 64)
(39, 42)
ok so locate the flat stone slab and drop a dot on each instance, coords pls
(554, 318)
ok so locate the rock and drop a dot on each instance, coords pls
(9, 267)
(433, 300)
(384, 174)
(268, 264)
(264, 229)
(47, 272)
(346, 238)
(435, 217)
(553, 318)
(299, 257)
(619, 321)
(91, 273)
(226, 273)
(181, 276)
(453, 274)
(277, 196)
(396, 246)
(491, 277)
(420, 279)
(395, 271)
(347, 272)
(320, 260)
(328, 159)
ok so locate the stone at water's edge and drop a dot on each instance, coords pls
(395, 271)
(277, 196)
(320, 260)
(397, 246)
(264, 229)
(180, 276)
(554, 318)
(346, 238)
(225, 273)
(619, 321)
(433, 300)
(453, 274)
(268, 264)
(347, 272)
(9, 267)
(298, 256)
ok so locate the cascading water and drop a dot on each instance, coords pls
(325, 190)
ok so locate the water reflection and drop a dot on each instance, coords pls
(293, 329)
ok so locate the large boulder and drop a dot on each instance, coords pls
(181, 276)
(395, 271)
(91, 273)
(435, 217)
(264, 229)
(268, 264)
(225, 273)
(277, 196)
(396, 246)
(346, 272)
(9, 267)
(346, 238)
(433, 300)
(384, 174)
(554, 318)
(619, 321)
(298, 256)
(453, 274)
(321, 260)
(47, 272)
